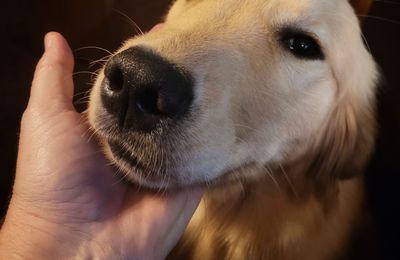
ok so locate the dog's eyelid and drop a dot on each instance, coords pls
(291, 30)
(301, 43)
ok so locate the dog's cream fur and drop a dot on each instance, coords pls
(282, 142)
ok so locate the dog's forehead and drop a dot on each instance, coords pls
(270, 9)
(299, 5)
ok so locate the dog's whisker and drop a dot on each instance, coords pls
(286, 176)
(159, 170)
(84, 102)
(100, 61)
(269, 173)
(90, 131)
(120, 175)
(92, 48)
(167, 168)
(83, 98)
(83, 59)
(378, 18)
(156, 170)
(85, 93)
(85, 72)
(239, 181)
(131, 21)
(272, 177)
(94, 133)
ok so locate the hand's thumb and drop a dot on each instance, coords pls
(52, 87)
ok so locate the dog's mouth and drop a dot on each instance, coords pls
(124, 155)
(164, 173)
(139, 167)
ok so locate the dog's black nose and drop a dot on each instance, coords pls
(141, 89)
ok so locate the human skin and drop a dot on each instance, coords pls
(67, 202)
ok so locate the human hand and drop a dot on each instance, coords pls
(67, 202)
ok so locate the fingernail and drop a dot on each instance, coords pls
(48, 42)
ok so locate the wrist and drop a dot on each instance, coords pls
(28, 237)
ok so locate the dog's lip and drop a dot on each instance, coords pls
(123, 154)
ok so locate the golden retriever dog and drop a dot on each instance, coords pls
(268, 103)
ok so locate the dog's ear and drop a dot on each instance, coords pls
(344, 145)
(346, 142)
(361, 6)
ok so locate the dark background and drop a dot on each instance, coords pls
(23, 24)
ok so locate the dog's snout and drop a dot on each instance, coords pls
(141, 89)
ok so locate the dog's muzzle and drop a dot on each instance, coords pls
(141, 89)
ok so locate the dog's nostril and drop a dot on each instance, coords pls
(147, 101)
(115, 78)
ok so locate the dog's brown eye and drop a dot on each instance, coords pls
(301, 45)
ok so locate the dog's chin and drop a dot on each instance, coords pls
(138, 172)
